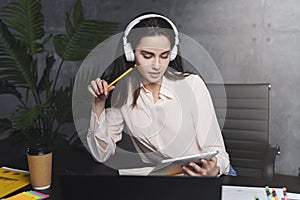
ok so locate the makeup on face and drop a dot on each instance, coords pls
(153, 57)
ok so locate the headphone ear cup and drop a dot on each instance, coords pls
(129, 54)
(173, 53)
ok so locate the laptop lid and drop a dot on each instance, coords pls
(90, 187)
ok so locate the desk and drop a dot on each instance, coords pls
(81, 162)
(65, 162)
(291, 183)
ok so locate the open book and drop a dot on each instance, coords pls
(168, 167)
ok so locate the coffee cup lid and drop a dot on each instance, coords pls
(38, 149)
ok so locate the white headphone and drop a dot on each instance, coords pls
(129, 54)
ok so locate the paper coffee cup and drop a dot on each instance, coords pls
(39, 159)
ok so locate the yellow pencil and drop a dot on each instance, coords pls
(121, 76)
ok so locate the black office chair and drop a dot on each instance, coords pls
(246, 127)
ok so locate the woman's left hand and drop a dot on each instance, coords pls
(207, 168)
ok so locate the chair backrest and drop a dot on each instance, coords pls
(246, 124)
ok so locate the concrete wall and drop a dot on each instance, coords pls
(249, 40)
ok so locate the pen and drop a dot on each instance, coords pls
(121, 76)
(284, 193)
(274, 194)
(269, 194)
(271, 197)
(267, 190)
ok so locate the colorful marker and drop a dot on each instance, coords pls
(269, 194)
(284, 193)
(274, 194)
(267, 190)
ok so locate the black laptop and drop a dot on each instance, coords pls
(79, 186)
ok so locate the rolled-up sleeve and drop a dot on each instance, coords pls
(209, 135)
(107, 130)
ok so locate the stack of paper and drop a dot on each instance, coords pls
(143, 171)
(238, 192)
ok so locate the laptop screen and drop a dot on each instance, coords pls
(139, 187)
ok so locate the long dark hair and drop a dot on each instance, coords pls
(147, 27)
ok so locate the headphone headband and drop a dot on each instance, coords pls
(127, 46)
(137, 20)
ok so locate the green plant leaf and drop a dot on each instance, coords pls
(22, 36)
(16, 65)
(82, 35)
(69, 26)
(7, 88)
(78, 45)
(46, 39)
(45, 82)
(63, 104)
(26, 118)
(77, 14)
(25, 17)
(5, 124)
(31, 135)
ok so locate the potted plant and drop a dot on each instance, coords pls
(29, 69)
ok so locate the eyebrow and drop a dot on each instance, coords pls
(148, 52)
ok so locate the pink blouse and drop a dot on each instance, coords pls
(181, 122)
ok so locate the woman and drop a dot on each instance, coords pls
(168, 113)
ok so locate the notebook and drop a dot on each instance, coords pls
(76, 186)
(12, 179)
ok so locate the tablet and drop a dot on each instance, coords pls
(173, 166)
(192, 158)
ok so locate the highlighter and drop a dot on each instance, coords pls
(274, 194)
(284, 193)
(269, 193)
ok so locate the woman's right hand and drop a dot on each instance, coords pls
(99, 90)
